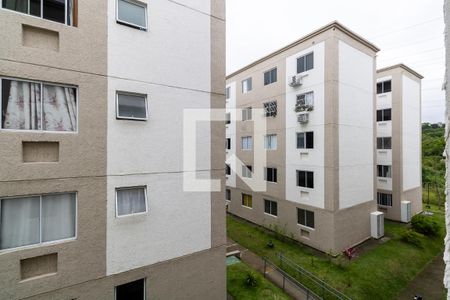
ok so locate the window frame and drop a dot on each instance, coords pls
(248, 113)
(306, 179)
(227, 194)
(305, 211)
(42, 244)
(304, 56)
(145, 287)
(242, 143)
(242, 200)
(270, 79)
(228, 143)
(270, 212)
(383, 143)
(382, 86)
(385, 170)
(266, 139)
(124, 93)
(227, 168)
(379, 196)
(274, 174)
(382, 114)
(138, 3)
(41, 83)
(42, 13)
(249, 79)
(227, 92)
(305, 139)
(247, 170)
(131, 188)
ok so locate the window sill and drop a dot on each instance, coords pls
(140, 28)
(248, 207)
(306, 227)
(273, 216)
(131, 215)
(35, 246)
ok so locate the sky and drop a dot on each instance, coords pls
(406, 31)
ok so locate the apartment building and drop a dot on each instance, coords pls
(92, 204)
(399, 142)
(318, 97)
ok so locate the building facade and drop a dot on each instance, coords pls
(318, 96)
(399, 142)
(92, 204)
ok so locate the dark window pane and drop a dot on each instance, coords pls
(309, 61)
(35, 8)
(274, 208)
(301, 178)
(387, 115)
(309, 218)
(228, 194)
(227, 170)
(301, 216)
(267, 206)
(274, 175)
(387, 86)
(300, 64)
(379, 88)
(266, 78)
(379, 115)
(300, 140)
(16, 5)
(387, 143)
(310, 179)
(131, 291)
(310, 140)
(274, 75)
(380, 171)
(54, 10)
(132, 106)
(379, 143)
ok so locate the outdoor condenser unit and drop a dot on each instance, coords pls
(406, 211)
(377, 224)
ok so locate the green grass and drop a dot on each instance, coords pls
(378, 273)
(265, 290)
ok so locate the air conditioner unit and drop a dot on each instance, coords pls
(406, 211)
(303, 118)
(295, 81)
(377, 224)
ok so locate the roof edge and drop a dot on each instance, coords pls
(334, 24)
(402, 66)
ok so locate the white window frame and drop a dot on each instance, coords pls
(145, 287)
(41, 244)
(242, 143)
(42, 83)
(246, 172)
(138, 3)
(131, 94)
(388, 172)
(266, 170)
(379, 194)
(271, 79)
(268, 141)
(242, 200)
(305, 214)
(270, 213)
(247, 114)
(248, 90)
(304, 56)
(132, 188)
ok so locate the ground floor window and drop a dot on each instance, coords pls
(247, 200)
(384, 199)
(131, 291)
(305, 217)
(270, 207)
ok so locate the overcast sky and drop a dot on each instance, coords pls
(407, 31)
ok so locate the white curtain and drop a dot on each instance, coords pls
(23, 109)
(130, 201)
(60, 108)
(58, 217)
(19, 223)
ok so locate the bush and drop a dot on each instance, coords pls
(411, 237)
(251, 280)
(425, 225)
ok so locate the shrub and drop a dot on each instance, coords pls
(412, 237)
(425, 225)
(251, 280)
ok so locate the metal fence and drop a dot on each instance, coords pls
(287, 282)
(309, 280)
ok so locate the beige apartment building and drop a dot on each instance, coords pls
(92, 204)
(399, 142)
(318, 97)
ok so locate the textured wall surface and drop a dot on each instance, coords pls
(447, 148)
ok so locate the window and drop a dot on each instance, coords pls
(228, 194)
(246, 114)
(247, 85)
(270, 207)
(270, 174)
(30, 105)
(61, 11)
(305, 179)
(246, 143)
(247, 171)
(384, 171)
(131, 106)
(131, 291)
(227, 93)
(384, 143)
(305, 102)
(305, 63)
(227, 169)
(305, 140)
(132, 13)
(384, 87)
(131, 200)
(37, 219)
(270, 76)
(270, 142)
(305, 217)
(228, 143)
(227, 118)
(383, 115)
(384, 199)
(247, 200)
(270, 108)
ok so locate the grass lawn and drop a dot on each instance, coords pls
(377, 273)
(265, 290)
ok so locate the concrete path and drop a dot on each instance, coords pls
(428, 283)
(257, 263)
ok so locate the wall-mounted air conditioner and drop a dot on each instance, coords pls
(303, 118)
(406, 211)
(295, 81)
(377, 224)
